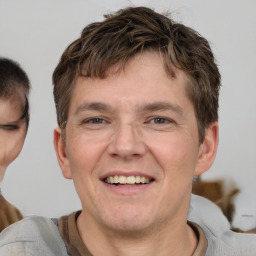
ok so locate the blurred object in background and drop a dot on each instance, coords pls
(216, 192)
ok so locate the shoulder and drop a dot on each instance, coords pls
(34, 235)
(221, 240)
(8, 213)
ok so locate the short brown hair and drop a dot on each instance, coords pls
(14, 80)
(134, 30)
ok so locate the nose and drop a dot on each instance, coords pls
(127, 142)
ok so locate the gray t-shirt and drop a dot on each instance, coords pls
(39, 236)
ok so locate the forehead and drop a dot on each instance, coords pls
(143, 79)
(10, 110)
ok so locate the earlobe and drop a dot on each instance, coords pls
(208, 149)
(60, 149)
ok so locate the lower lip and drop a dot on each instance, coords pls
(128, 189)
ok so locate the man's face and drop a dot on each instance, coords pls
(12, 131)
(132, 146)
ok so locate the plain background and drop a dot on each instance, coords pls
(35, 33)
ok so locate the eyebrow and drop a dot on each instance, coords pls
(156, 106)
(96, 106)
(23, 115)
(11, 123)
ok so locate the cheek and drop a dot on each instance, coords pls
(84, 154)
(178, 160)
(176, 154)
(12, 144)
(84, 158)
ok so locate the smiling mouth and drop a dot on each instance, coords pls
(130, 180)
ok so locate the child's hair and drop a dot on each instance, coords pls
(14, 82)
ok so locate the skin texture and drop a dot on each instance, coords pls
(12, 133)
(136, 122)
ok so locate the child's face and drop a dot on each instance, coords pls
(12, 131)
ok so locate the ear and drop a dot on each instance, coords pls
(208, 149)
(62, 157)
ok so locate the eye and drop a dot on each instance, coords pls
(9, 127)
(95, 120)
(91, 122)
(160, 120)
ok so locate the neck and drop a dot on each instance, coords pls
(176, 239)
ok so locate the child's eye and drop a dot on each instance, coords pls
(9, 127)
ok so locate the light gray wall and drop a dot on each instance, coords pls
(35, 33)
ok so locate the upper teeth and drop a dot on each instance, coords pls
(126, 180)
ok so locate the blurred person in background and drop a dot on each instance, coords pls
(14, 120)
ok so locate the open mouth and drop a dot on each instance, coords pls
(129, 180)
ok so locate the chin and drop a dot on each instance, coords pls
(128, 220)
(128, 226)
